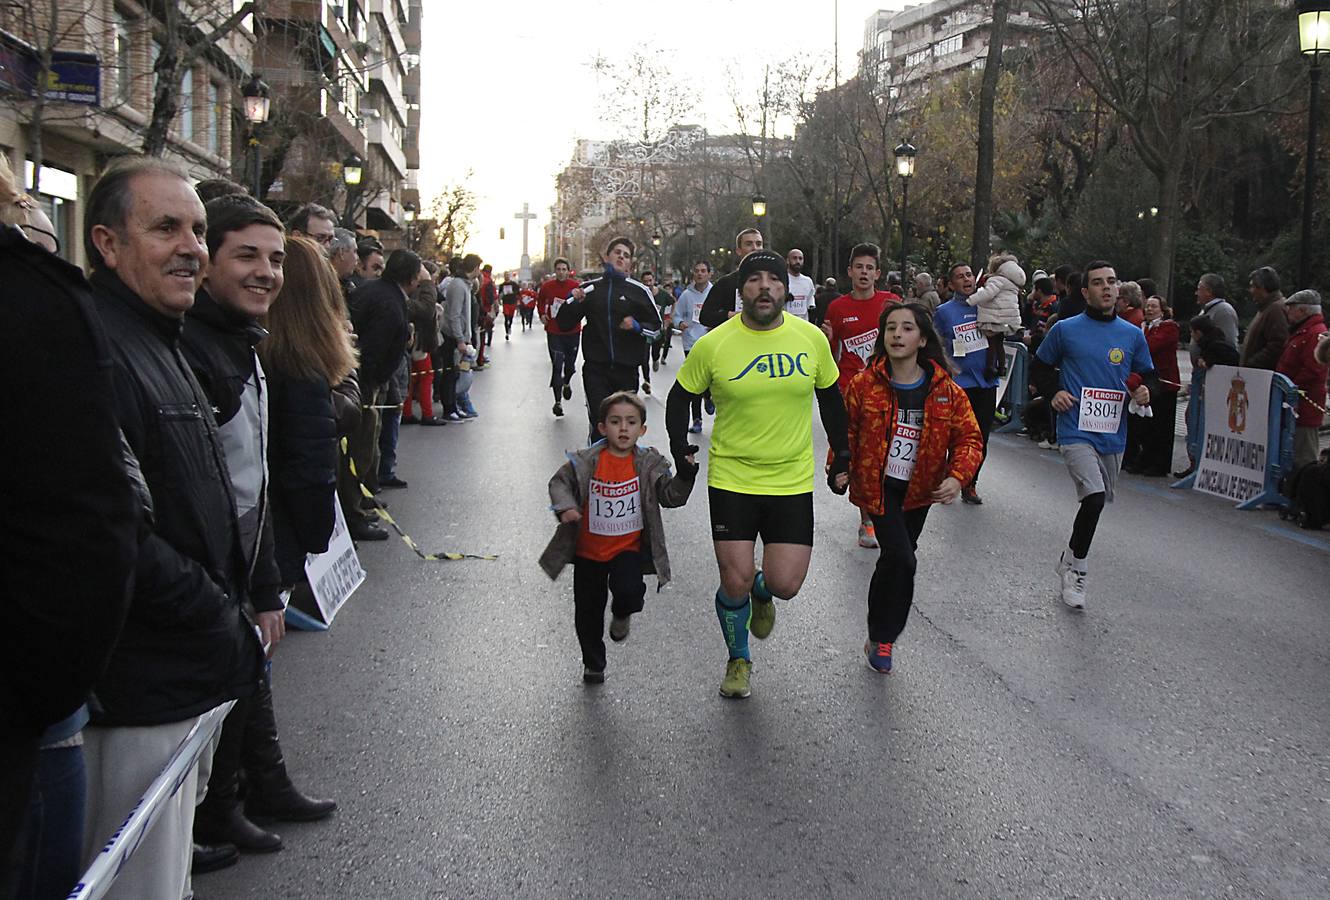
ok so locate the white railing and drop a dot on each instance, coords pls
(129, 836)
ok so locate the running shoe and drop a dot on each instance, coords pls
(646, 387)
(1046, 444)
(708, 405)
(591, 676)
(619, 628)
(879, 656)
(763, 618)
(1073, 588)
(655, 365)
(737, 676)
(971, 496)
(867, 536)
(558, 408)
(567, 392)
(696, 427)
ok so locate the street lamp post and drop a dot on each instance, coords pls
(689, 230)
(655, 248)
(905, 154)
(257, 105)
(409, 214)
(1313, 40)
(353, 170)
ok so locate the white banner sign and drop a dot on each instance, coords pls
(334, 574)
(1237, 433)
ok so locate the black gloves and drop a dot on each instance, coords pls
(840, 463)
(685, 469)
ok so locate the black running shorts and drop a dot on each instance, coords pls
(786, 519)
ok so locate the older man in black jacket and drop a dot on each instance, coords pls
(378, 316)
(188, 645)
(77, 509)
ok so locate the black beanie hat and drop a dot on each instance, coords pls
(764, 260)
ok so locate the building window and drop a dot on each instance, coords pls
(917, 58)
(216, 119)
(122, 57)
(187, 105)
(950, 45)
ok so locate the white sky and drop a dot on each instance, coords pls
(507, 89)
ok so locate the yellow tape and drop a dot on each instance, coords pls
(442, 556)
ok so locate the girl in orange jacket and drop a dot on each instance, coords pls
(914, 442)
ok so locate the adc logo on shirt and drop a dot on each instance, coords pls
(1115, 355)
(775, 365)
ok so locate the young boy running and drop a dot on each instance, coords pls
(608, 499)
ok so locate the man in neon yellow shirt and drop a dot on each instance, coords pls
(762, 368)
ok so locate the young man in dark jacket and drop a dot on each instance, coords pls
(77, 503)
(188, 644)
(723, 300)
(246, 248)
(622, 319)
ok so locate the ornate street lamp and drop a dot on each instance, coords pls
(409, 216)
(353, 170)
(257, 107)
(1313, 40)
(759, 206)
(905, 153)
(689, 230)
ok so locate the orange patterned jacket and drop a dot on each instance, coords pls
(951, 445)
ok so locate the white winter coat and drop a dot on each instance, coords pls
(998, 300)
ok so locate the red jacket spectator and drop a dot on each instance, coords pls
(1298, 362)
(1162, 336)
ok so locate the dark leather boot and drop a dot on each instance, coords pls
(210, 858)
(231, 827)
(271, 796)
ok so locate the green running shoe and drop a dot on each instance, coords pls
(763, 619)
(737, 673)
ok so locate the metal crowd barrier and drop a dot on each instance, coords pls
(1282, 421)
(1015, 393)
(129, 836)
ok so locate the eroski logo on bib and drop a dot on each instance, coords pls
(775, 365)
(861, 345)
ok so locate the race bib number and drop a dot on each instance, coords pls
(904, 451)
(1101, 410)
(614, 508)
(967, 338)
(797, 306)
(861, 345)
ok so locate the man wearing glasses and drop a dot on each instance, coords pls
(314, 222)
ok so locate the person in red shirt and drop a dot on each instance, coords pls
(526, 299)
(508, 298)
(489, 307)
(851, 324)
(563, 343)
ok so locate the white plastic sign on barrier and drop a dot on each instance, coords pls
(334, 574)
(1237, 433)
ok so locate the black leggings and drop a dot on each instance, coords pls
(984, 403)
(1087, 520)
(623, 577)
(891, 592)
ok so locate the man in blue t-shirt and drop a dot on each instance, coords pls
(966, 347)
(1096, 353)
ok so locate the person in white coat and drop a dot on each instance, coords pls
(999, 303)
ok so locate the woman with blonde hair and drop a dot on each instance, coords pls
(308, 350)
(17, 208)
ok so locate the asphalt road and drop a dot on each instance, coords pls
(1169, 742)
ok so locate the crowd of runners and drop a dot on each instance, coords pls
(906, 393)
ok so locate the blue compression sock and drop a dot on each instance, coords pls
(760, 592)
(734, 614)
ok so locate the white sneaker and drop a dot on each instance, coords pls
(1073, 588)
(867, 536)
(1048, 445)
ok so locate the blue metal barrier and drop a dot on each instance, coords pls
(1281, 424)
(1014, 393)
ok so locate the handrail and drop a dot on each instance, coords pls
(104, 870)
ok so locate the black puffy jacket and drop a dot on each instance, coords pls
(378, 313)
(302, 469)
(187, 644)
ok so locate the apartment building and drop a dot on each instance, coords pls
(97, 97)
(910, 49)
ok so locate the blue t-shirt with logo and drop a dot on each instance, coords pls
(1095, 356)
(957, 314)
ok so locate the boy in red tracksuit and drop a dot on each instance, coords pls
(851, 324)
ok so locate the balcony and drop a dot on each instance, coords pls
(378, 132)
